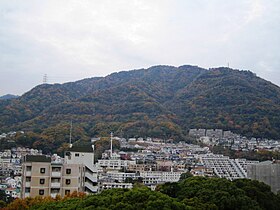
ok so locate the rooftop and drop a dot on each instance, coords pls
(36, 158)
(86, 149)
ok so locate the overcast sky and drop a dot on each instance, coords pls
(71, 40)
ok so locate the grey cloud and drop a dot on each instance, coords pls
(70, 40)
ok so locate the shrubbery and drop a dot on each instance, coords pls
(189, 193)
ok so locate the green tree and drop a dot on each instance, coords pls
(185, 175)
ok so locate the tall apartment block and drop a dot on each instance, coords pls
(42, 177)
(267, 172)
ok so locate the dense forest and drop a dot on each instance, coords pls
(8, 96)
(161, 101)
(189, 193)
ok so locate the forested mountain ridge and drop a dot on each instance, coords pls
(161, 101)
(8, 96)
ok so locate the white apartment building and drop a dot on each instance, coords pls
(110, 185)
(159, 177)
(114, 163)
(224, 167)
(120, 176)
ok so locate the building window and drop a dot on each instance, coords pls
(67, 192)
(77, 154)
(68, 181)
(42, 181)
(68, 171)
(41, 192)
(28, 179)
(28, 168)
(27, 190)
(56, 169)
(42, 170)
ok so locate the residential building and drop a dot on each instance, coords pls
(42, 177)
(110, 185)
(114, 163)
(267, 172)
(224, 167)
(159, 177)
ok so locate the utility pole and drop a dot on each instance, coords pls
(70, 137)
(111, 144)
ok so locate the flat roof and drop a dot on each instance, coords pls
(37, 158)
(86, 149)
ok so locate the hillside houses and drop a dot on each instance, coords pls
(145, 160)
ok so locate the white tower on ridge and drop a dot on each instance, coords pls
(111, 144)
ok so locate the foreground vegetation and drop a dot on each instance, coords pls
(189, 193)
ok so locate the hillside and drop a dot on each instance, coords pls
(161, 101)
(8, 96)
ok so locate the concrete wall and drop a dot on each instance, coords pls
(268, 173)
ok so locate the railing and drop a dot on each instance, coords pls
(53, 195)
(93, 189)
(27, 173)
(91, 177)
(55, 184)
(56, 174)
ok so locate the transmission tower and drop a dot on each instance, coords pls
(45, 79)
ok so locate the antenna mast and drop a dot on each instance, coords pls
(111, 144)
(70, 137)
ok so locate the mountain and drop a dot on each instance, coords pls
(161, 101)
(8, 96)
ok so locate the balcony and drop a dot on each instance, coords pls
(53, 195)
(56, 174)
(55, 184)
(27, 173)
(93, 189)
(90, 176)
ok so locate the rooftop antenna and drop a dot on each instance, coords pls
(70, 138)
(45, 79)
(228, 64)
(92, 146)
(111, 144)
